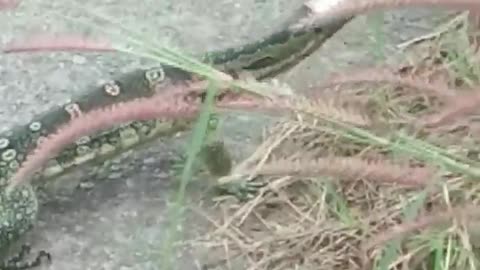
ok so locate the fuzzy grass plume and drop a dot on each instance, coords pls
(349, 168)
(165, 107)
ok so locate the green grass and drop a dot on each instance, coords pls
(199, 136)
(376, 23)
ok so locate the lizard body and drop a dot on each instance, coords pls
(262, 59)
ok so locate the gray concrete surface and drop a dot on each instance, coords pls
(119, 224)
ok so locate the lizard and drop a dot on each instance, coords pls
(261, 59)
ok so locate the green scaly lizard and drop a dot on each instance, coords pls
(262, 59)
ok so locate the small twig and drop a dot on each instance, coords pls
(443, 29)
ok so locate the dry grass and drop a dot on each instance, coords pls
(398, 194)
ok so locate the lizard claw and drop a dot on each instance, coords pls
(243, 190)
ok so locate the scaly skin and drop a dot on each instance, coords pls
(263, 59)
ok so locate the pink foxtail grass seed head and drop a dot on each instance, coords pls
(382, 75)
(64, 42)
(469, 212)
(9, 4)
(177, 103)
(157, 107)
(458, 107)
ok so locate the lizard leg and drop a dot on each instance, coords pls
(242, 189)
(24, 251)
(16, 262)
(218, 161)
(18, 212)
